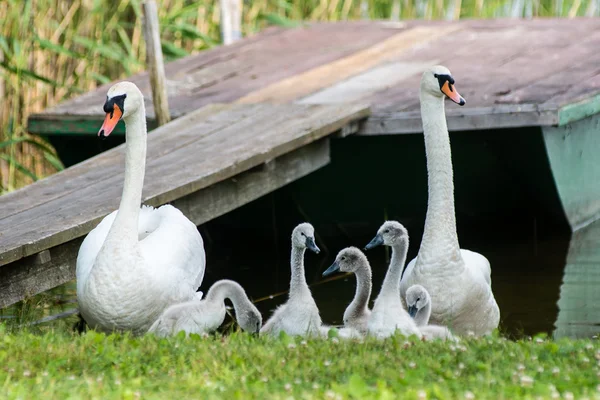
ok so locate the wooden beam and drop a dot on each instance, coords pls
(505, 116)
(154, 62)
(231, 19)
(35, 274)
(579, 110)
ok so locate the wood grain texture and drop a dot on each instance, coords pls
(543, 63)
(50, 268)
(326, 75)
(184, 156)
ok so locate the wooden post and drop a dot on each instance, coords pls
(231, 20)
(154, 61)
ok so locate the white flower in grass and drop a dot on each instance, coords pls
(412, 365)
(539, 340)
(303, 343)
(585, 360)
(315, 386)
(335, 340)
(288, 387)
(555, 371)
(520, 367)
(26, 373)
(330, 394)
(526, 381)
(422, 395)
(327, 363)
(469, 395)
(569, 396)
(291, 346)
(540, 369)
(298, 381)
(264, 379)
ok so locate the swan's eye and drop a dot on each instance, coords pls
(386, 231)
(435, 75)
(302, 233)
(343, 258)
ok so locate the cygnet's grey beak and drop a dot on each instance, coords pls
(377, 241)
(311, 245)
(334, 268)
(412, 310)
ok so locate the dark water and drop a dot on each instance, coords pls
(506, 205)
(544, 279)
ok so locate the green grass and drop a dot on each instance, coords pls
(62, 365)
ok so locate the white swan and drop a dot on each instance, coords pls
(459, 281)
(299, 315)
(357, 313)
(388, 314)
(136, 262)
(207, 315)
(419, 308)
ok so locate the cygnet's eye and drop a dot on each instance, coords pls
(386, 231)
(302, 233)
(418, 299)
(343, 258)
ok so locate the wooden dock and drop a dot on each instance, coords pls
(256, 115)
(207, 163)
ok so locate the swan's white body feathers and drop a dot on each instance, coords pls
(170, 269)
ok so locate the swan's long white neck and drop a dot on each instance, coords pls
(422, 317)
(391, 282)
(298, 283)
(439, 247)
(125, 226)
(360, 302)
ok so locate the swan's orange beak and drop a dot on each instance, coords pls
(449, 90)
(111, 120)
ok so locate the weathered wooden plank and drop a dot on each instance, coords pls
(495, 62)
(272, 132)
(225, 73)
(28, 276)
(315, 79)
(504, 116)
(110, 163)
(227, 195)
(367, 83)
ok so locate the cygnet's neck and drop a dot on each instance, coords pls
(423, 314)
(391, 282)
(360, 303)
(227, 289)
(298, 283)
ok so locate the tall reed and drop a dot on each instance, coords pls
(51, 50)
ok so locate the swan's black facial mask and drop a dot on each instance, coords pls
(446, 83)
(114, 109)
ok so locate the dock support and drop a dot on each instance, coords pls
(154, 61)
(573, 153)
(231, 20)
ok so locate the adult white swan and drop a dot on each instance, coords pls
(136, 262)
(458, 280)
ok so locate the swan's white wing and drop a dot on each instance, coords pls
(90, 247)
(477, 263)
(173, 249)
